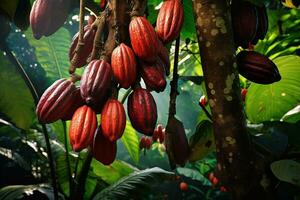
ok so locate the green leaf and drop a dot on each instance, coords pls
(131, 142)
(193, 174)
(52, 52)
(287, 170)
(16, 101)
(292, 116)
(135, 185)
(112, 173)
(271, 102)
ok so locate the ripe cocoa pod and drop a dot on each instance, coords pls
(163, 54)
(123, 65)
(169, 20)
(257, 67)
(76, 103)
(56, 101)
(88, 39)
(47, 16)
(113, 120)
(143, 39)
(154, 76)
(95, 81)
(82, 128)
(142, 111)
(175, 137)
(103, 150)
(263, 24)
(244, 22)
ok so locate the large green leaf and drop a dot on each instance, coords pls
(135, 185)
(292, 116)
(287, 170)
(16, 101)
(52, 52)
(271, 102)
(131, 142)
(193, 174)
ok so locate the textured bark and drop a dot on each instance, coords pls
(215, 38)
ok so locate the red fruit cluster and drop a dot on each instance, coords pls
(215, 182)
(145, 143)
(243, 93)
(159, 134)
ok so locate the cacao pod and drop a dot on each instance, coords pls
(244, 22)
(95, 81)
(88, 39)
(76, 103)
(47, 16)
(82, 128)
(257, 67)
(154, 76)
(263, 24)
(56, 101)
(123, 65)
(163, 54)
(169, 20)
(103, 150)
(142, 111)
(113, 120)
(176, 137)
(143, 39)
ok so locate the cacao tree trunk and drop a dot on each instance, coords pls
(234, 153)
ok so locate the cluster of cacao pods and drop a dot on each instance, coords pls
(144, 57)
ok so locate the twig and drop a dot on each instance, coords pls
(206, 111)
(67, 157)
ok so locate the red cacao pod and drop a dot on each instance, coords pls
(163, 54)
(175, 137)
(82, 128)
(56, 101)
(103, 150)
(47, 16)
(154, 76)
(143, 39)
(257, 67)
(263, 24)
(95, 81)
(123, 65)
(169, 20)
(76, 103)
(113, 120)
(88, 39)
(142, 111)
(244, 22)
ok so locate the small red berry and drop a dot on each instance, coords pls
(223, 189)
(243, 93)
(215, 181)
(143, 142)
(158, 134)
(148, 143)
(183, 186)
(211, 176)
(162, 136)
(202, 101)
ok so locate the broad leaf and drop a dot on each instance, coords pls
(193, 174)
(292, 116)
(287, 170)
(131, 142)
(271, 102)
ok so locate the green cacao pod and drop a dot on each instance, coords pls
(82, 128)
(103, 149)
(113, 120)
(56, 101)
(47, 16)
(257, 67)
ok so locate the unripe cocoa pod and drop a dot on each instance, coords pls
(244, 22)
(47, 16)
(169, 20)
(176, 142)
(82, 128)
(154, 76)
(257, 67)
(143, 39)
(103, 150)
(142, 111)
(113, 120)
(95, 81)
(88, 39)
(123, 65)
(263, 24)
(56, 101)
(163, 54)
(76, 103)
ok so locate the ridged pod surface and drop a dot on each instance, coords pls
(56, 101)
(244, 22)
(176, 142)
(163, 54)
(88, 39)
(47, 16)
(103, 150)
(113, 120)
(95, 81)
(154, 76)
(142, 111)
(263, 24)
(123, 65)
(82, 128)
(76, 103)
(257, 67)
(169, 20)
(143, 39)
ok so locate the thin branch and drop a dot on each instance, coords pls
(67, 157)
(206, 111)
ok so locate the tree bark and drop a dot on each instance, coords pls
(233, 146)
